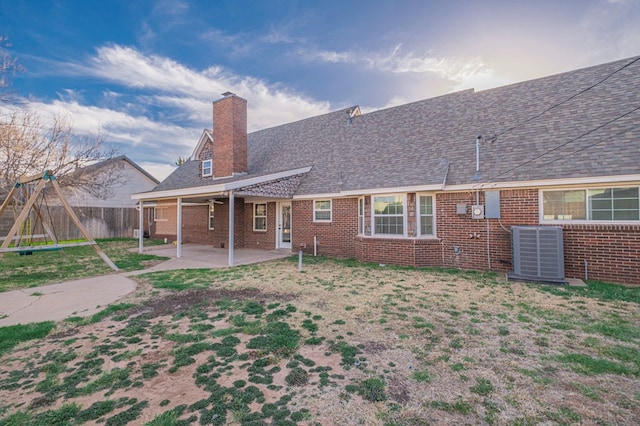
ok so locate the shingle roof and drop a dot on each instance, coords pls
(412, 144)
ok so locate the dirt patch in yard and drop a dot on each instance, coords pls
(339, 343)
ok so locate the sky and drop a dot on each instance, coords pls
(144, 73)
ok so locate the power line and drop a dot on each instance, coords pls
(566, 143)
(568, 99)
(593, 144)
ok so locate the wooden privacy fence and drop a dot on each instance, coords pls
(100, 222)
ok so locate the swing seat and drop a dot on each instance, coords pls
(36, 248)
(27, 250)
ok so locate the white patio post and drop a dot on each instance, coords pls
(179, 230)
(232, 210)
(141, 227)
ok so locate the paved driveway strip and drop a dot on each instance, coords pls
(87, 296)
(58, 301)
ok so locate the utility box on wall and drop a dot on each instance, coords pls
(492, 204)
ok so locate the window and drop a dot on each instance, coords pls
(212, 213)
(388, 215)
(160, 214)
(260, 217)
(361, 215)
(602, 204)
(322, 211)
(207, 168)
(425, 214)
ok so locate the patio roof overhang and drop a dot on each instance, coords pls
(272, 184)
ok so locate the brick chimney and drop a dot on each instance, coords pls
(229, 135)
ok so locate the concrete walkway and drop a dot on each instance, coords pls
(85, 297)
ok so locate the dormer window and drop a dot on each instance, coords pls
(207, 168)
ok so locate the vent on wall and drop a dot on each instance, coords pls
(538, 254)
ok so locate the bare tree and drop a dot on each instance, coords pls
(28, 146)
(31, 144)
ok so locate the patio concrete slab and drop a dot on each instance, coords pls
(87, 296)
(195, 256)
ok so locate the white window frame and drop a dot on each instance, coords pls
(419, 215)
(256, 216)
(211, 215)
(404, 216)
(588, 211)
(316, 210)
(361, 205)
(207, 168)
(164, 217)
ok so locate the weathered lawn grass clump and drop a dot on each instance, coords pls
(342, 343)
(50, 267)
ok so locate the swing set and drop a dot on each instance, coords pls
(25, 219)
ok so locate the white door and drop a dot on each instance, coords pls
(284, 225)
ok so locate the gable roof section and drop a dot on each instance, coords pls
(205, 137)
(583, 124)
(96, 167)
(405, 146)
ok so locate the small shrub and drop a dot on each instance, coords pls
(372, 390)
(297, 377)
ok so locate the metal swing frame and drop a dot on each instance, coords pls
(46, 177)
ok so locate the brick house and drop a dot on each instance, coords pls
(416, 185)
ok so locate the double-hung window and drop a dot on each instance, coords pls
(597, 204)
(207, 168)
(425, 214)
(389, 215)
(160, 214)
(260, 217)
(361, 215)
(212, 213)
(322, 211)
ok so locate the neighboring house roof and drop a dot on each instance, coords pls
(111, 161)
(113, 180)
(579, 124)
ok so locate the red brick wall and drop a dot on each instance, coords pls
(165, 228)
(229, 136)
(399, 251)
(265, 240)
(482, 244)
(336, 238)
(195, 224)
(612, 252)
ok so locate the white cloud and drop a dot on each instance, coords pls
(178, 86)
(159, 171)
(327, 56)
(162, 103)
(141, 135)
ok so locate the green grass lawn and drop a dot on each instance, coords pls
(50, 267)
(338, 343)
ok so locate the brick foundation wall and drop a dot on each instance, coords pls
(265, 240)
(335, 238)
(418, 252)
